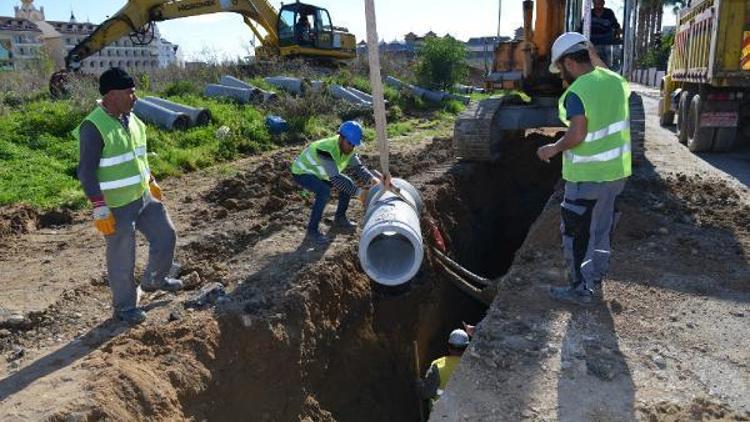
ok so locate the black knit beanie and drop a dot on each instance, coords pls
(115, 78)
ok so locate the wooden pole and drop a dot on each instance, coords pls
(377, 86)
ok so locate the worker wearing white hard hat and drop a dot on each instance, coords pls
(596, 161)
(440, 371)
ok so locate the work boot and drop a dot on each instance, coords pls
(343, 223)
(316, 237)
(575, 295)
(167, 284)
(132, 316)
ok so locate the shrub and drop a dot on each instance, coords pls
(441, 63)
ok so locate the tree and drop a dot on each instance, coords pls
(441, 63)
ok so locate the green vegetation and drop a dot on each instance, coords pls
(659, 56)
(39, 155)
(441, 63)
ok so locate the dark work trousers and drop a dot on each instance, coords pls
(588, 214)
(322, 191)
(150, 217)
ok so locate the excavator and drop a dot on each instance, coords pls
(523, 65)
(298, 29)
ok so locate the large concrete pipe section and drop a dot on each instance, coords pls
(198, 116)
(343, 93)
(161, 116)
(259, 95)
(391, 245)
(241, 95)
(291, 85)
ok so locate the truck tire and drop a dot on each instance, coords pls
(702, 138)
(683, 125)
(666, 118)
(725, 139)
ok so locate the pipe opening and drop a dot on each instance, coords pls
(391, 254)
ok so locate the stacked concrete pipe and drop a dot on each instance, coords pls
(391, 246)
(425, 94)
(257, 94)
(241, 95)
(198, 116)
(161, 116)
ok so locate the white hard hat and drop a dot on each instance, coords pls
(567, 43)
(458, 338)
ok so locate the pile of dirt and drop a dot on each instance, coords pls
(694, 199)
(700, 409)
(20, 219)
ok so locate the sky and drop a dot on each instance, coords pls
(226, 36)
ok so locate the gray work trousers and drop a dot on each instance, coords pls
(150, 217)
(588, 216)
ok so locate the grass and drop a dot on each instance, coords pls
(39, 155)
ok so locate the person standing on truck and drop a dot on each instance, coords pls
(596, 161)
(114, 172)
(605, 30)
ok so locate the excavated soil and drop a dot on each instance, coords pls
(305, 333)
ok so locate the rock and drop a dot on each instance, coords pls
(175, 316)
(191, 280)
(694, 251)
(15, 320)
(616, 306)
(673, 317)
(16, 354)
(663, 230)
(4, 333)
(208, 295)
(188, 199)
(737, 314)
(690, 325)
(660, 361)
(221, 213)
(651, 245)
(230, 204)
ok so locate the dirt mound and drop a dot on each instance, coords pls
(709, 202)
(20, 219)
(700, 409)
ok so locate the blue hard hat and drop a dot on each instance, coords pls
(352, 132)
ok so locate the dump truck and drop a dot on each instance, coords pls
(707, 85)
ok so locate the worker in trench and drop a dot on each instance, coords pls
(319, 168)
(115, 175)
(433, 384)
(596, 162)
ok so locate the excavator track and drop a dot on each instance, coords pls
(473, 135)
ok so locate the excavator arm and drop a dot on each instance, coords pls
(137, 14)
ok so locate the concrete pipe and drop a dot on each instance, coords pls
(259, 95)
(391, 246)
(239, 94)
(161, 116)
(198, 116)
(292, 85)
(342, 93)
(361, 95)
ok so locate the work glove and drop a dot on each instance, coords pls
(362, 196)
(155, 190)
(104, 221)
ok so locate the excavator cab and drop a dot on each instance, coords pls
(303, 27)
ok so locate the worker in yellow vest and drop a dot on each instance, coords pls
(596, 161)
(114, 173)
(319, 168)
(440, 371)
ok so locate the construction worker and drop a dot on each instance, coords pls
(440, 371)
(319, 167)
(596, 161)
(605, 29)
(114, 172)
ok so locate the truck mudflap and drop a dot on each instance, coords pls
(719, 119)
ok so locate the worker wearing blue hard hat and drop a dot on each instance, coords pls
(319, 168)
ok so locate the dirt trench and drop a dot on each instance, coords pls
(330, 345)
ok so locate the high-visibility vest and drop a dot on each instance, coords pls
(123, 171)
(445, 367)
(308, 161)
(604, 155)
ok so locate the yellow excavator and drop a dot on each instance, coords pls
(523, 65)
(298, 29)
